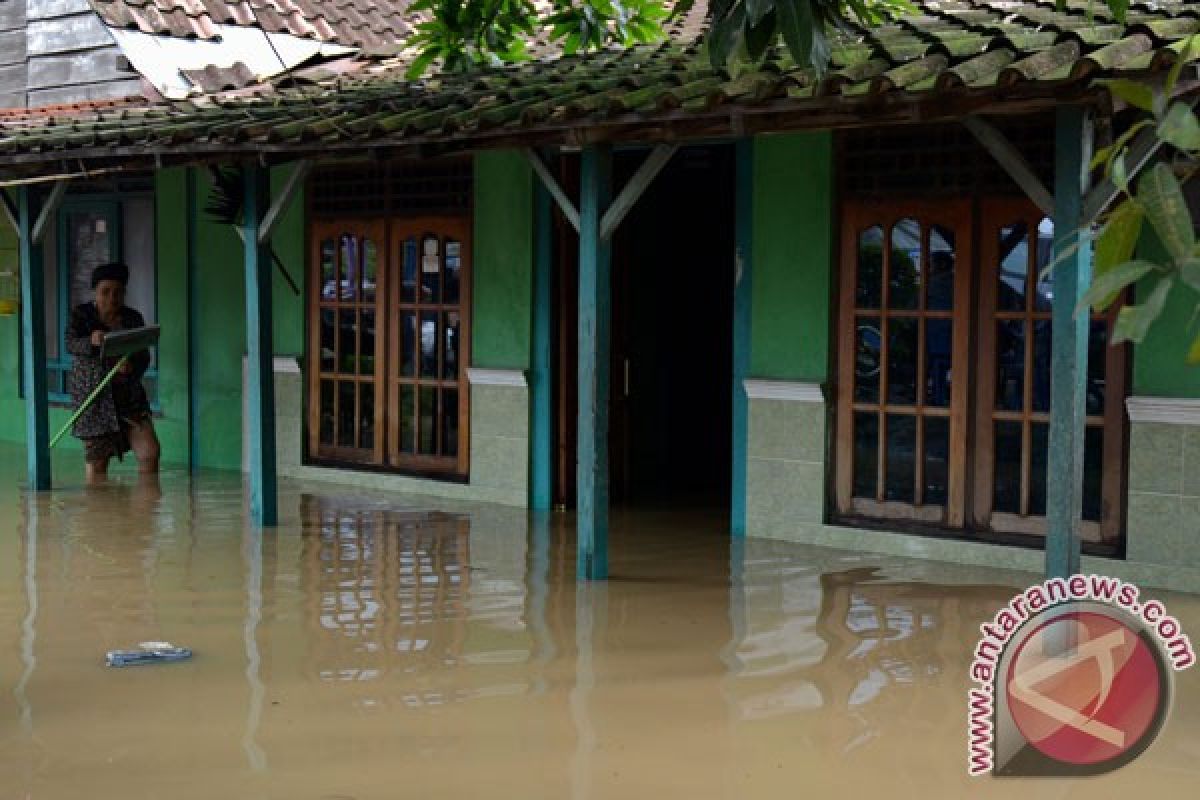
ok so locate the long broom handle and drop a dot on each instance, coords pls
(91, 398)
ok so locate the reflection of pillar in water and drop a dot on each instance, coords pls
(28, 625)
(536, 593)
(591, 619)
(252, 556)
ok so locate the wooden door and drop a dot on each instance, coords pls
(904, 315)
(346, 358)
(1013, 395)
(428, 300)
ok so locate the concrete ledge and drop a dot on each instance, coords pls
(1171, 410)
(478, 376)
(405, 483)
(784, 390)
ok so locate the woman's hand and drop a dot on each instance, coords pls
(97, 338)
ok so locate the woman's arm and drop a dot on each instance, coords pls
(79, 334)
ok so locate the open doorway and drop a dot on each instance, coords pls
(670, 410)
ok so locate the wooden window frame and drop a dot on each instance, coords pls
(856, 218)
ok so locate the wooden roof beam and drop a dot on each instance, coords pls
(552, 186)
(299, 173)
(9, 209)
(1010, 158)
(633, 190)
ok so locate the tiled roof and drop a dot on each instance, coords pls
(353, 23)
(946, 55)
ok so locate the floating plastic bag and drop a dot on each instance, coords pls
(147, 653)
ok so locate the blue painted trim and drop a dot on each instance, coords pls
(260, 377)
(1069, 351)
(742, 320)
(542, 358)
(595, 321)
(33, 346)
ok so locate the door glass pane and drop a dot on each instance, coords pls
(942, 257)
(429, 344)
(867, 355)
(89, 244)
(327, 412)
(1097, 354)
(346, 426)
(408, 339)
(408, 281)
(450, 422)
(1045, 254)
(902, 360)
(1010, 365)
(328, 340)
(408, 411)
(868, 292)
(1014, 267)
(366, 412)
(370, 271)
(431, 270)
(937, 458)
(904, 276)
(350, 267)
(347, 326)
(866, 454)
(453, 271)
(939, 361)
(1043, 342)
(427, 416)
(900, 475)
(328, 270)
(1039, 451)
(1093, 472)
(450, 345)
(1007, 454)
(366, 355)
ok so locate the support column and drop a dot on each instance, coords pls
(33, 344)
(540, 455)
(595, 300)
(260, 383)
(743, 232)
(1068, 361)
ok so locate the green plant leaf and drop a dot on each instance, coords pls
(1118, 237)
(1107, 286)
(1160, 195)
(1136, 94)
(796, 25)
(756, 10)
(1189, 271)
(1185, 55)
(1180, 127)
(1193, 356)
(1133, 321)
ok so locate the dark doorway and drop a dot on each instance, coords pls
(672, 298)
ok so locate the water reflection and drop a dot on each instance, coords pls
(369, 645)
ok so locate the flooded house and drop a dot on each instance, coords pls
(814, 306)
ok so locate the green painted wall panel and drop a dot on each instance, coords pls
(792, 256)
(502, 286)
(1160, 367)
(170, 198)
(288, 243)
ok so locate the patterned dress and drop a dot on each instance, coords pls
(104, 428)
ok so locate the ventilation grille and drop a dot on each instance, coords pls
(441, 187)
(940, 159)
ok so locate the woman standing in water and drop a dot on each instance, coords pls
(119, 420)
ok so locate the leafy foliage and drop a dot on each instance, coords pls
(1156, 204)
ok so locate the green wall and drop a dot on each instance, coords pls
(1160, 367)
(212, 295)
(792, 254)
(502, 281)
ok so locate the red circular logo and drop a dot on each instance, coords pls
(1085, 688)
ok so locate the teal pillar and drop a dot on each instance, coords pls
(33, 344)
(1068, 360)
(260, 383)
(595, 301)
(743, 232)
(541, 359)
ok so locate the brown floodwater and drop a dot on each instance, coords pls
(380, 646)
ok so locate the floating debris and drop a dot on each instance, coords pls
(147, 653)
